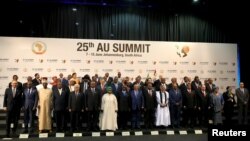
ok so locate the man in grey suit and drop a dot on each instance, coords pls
(242, 100)
(30, 98)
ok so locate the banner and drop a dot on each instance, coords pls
(51, 56)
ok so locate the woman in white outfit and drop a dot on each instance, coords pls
(162, 111)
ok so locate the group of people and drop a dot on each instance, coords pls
(108, 103)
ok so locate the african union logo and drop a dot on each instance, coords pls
(16, 60)
(39, 47)
(182, 52)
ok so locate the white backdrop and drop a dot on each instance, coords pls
(51, 56)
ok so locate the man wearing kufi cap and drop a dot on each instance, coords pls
(45, 99)
(109, 108)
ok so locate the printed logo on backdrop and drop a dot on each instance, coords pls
(182, 51)
(39, 47)
(204, 63)
(194, 63)
(63, 61)
(107, 70)
(192, 71)
(131, 62)
(233, 63)
(28, 60)
(171, 71)
(96, 70)
(234, 79)
(223, 79)
(52, 60)
(129, 70)
(84, 70)
(214, 63)
(221, 72)
(88, 61)
(211, 71)
(98, 61)
(49, 70)
(4, 60)
(4, 77)
(163, 62)
(184, 62)
(215, 79)
(175, 63)
(142, 62)
(202, 71)
(181, 71)
(110, 62)
(61, 70)
(154, 62)
(75, 61)
(37, 69)
(41, 60)
(12, 69)
(25, 69)
(16, 60)
(223, 63)
(161, 71)
(120, 62)
(140, 71)
(231, 71)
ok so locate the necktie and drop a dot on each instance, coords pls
(29, 91)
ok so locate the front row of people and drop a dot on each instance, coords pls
(160, 107)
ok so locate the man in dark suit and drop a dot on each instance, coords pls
(137, 105)
(242, 101)
(76, 106)
(12, 104)
(19, 84)
(60, 101)
(30, 98)
(123, 99)
(116, 86)
(175, 98)
(150, 105)
(203, 106)
(36, 81)
(92, 105)
(210, 86)
(64, 81)
(25, 85)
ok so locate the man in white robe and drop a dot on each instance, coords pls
(162, 111)
(44, 107)
(109, 108)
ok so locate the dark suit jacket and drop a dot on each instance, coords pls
(137, 102)
(123, 101)
(209, 89)
(19, 86)
(119, 88)
(149, 100)
(175, 98)
(93, 100)
(189, 99)
(12, 102)
(76, 103)
(60, 101)
(203, 101)
(194, 87)
(242, 97)
(35, 82)
(30, 99)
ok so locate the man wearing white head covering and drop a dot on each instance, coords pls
(45, 105)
